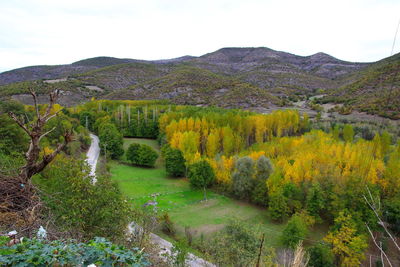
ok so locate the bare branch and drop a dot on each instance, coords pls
(52, 116)
(18, 121)
(53, 98)
(33, 162)
(33, 93)
(46, 133)
(378, 246)
(38, 167)
(381, 222)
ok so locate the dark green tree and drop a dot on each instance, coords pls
(132, 154)
(295, 231)
(392, 212)
(174, 162)
(242, 178)
(146, 156)
(201, 175)
(111, 140)
(321, 256)
(87, 119)
(315, 200)
(278, 205)
(263, 171)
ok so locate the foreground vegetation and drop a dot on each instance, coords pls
(224, 177)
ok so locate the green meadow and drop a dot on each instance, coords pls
(185, 205)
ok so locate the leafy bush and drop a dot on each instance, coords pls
(99, 251)
(79, 207)
(174, 162)
(295, 231)
(236, 245)
(132, 154)
(321, 256)
(141, 154)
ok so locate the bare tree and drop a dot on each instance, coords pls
(375, 206)
(35, 130)
(19, 201)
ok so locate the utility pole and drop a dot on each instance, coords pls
(87, 123)
(128, 110)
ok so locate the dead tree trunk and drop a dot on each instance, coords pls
(36, 132)
(19, 201)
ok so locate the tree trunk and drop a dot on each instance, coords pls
(19, 201)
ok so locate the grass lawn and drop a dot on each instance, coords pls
(185, 205)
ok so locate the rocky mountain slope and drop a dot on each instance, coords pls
(231, 77)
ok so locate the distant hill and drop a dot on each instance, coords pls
(232, 77)
(375, 90)
(196, 86)
(41, 72)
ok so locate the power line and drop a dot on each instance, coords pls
(395, 36)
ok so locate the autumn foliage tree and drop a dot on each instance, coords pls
(348, 244)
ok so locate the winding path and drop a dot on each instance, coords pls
(92, 157)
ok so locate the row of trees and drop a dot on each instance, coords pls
(217, 133)
(132, 118)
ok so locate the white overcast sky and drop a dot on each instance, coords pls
(34, 32)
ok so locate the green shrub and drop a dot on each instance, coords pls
(174, 162)
(141, 154)
(78, 206)
(99, 251)
(295, 231)
(132, 154)
(321, 256)
(236, 245)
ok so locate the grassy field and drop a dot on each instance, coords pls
(185, 205)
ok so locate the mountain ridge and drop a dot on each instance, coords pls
(271, 78)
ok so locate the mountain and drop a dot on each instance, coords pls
(375, 90)
(231, 77)
(41, 72)
(196, 86)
